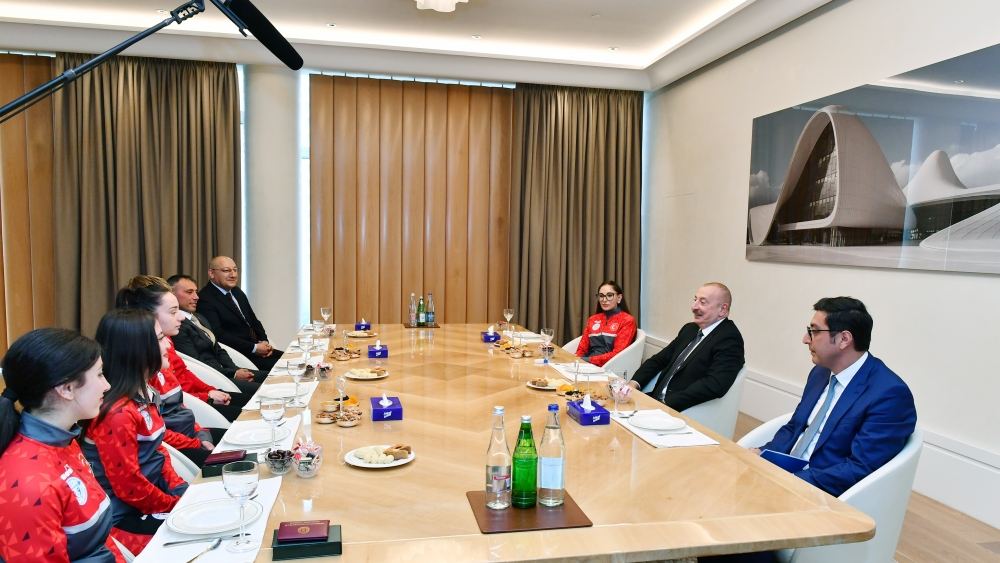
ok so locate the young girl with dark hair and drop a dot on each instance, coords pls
(123, 444)
(51, 505)
(610, 330)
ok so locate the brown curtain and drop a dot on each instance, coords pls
(26, 268)
(147, 178)
(575, 202)
(410, 187)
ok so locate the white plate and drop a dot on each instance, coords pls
(281, 391)
(659, 421)
(352, 459)
(212, 517)
(552, 386)
(361, 334)
(353, 374)
(255, 435)
(528, 336)
(585, 367)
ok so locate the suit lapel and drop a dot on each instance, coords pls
(854, 390)
(704, 345)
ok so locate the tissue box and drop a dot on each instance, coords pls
(374, 352)
(599, 415)
(487, 337)
(298, 550)
(363, 326)
(392, 412)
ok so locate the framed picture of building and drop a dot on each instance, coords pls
(901, 173)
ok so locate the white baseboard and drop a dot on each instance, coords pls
(950, 471)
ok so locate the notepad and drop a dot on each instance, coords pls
(787, 462)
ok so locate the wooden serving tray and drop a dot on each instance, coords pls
(513, 519)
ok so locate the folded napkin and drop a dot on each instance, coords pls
(588, 372)
(291, 423)
(281, 366)
(683, 437)
(267, 492)
(308, 386)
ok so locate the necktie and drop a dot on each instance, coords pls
(253, 334)
(813, 429)
(665, 377)
(209, 333)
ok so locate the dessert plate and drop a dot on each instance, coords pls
(356, 461)
(212, 516)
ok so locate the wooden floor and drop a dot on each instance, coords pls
(932, 532)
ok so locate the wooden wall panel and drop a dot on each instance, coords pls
(26, 252)
(408, 197)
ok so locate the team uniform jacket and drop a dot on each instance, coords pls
(51, 506)
(188, 380)
(606, 334)
(130, 463)
(182, 431)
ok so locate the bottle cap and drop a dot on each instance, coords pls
(525, 418)
(498, 410)
(553, 408)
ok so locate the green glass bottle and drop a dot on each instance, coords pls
(525, 470)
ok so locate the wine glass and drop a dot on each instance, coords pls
(272, 410)
(306, 342)
(296, 369)
(508, 314)
(619, 388)
(547, 335)
(239, 478)
(325, 313)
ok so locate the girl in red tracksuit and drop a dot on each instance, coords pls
(52, 508)
(124, 443)
(610, 330)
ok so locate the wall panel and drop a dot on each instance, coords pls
(410, 186)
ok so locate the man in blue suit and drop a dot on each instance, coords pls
(855, 414)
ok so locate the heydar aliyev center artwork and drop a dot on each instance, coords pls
(901, 173)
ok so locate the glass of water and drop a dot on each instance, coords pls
(325, 313)
(272, 410)
(296, 369)
(239, 478)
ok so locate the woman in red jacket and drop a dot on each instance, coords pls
(123, 444)
(51, 505)
(610, 330)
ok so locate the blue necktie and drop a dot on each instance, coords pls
(813, 429)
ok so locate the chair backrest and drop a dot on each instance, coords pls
(572, 345)
(184, 467)
(239, 359)
(720, 414)
(209, 375)
(628, 360)
(204, 414)
(883, 495)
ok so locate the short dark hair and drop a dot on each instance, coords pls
(172, 280)
(37, 362)
(618, 289)
(848, 314)
(142, 292)
(131, 354)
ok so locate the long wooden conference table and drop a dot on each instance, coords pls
(645, 503)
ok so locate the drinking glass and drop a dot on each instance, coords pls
(296, 369)
(619, 390)
(306, 342)
(325, 313)
(239, 478)
(272, 410)
(508, 314)
(547, 335)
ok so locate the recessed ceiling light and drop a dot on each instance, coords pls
(959, 82)
(612, 48)
(331, 25)
(477, 36)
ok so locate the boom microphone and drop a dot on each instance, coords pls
(246, 16)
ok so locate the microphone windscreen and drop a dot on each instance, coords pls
(266, 33)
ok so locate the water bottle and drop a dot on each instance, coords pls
(430, 309)
(413, 309)
(524, 492)
(498, 465)
(552, 460)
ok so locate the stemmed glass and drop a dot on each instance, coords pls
(272, 410)
(296, 369)
(547, 350)
(239, 478)
(325, 313)
(508, 314)
(620, 390)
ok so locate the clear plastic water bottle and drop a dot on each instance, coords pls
(413, 309)
(551, 461)
(498, 465)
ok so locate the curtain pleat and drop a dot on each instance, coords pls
(575, 202)
(147, 178)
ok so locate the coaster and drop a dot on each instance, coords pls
(567, 515)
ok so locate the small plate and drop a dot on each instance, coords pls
(255, 435)
(585, 367)
(351, 459)
(361, 334)
(659, 421)
(281, 391)
(212, 516)
(551, 387)
(361, 375)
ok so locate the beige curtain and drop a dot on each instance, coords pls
(147, 176)
(26, 255)
(575, 202)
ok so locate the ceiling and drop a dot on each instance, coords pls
(630, 35)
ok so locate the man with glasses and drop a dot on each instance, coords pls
(231, 317)
(702, 361)
(855, 413)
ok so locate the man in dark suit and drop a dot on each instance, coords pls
(855, 414)
(702, 361)
(196, 338)
(228, 311)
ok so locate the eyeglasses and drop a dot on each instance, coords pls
(812, 331)
(606, 296)
(226, 271)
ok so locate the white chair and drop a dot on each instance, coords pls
(209, 375)
(182, 465)
(883, 495)
(628, 360)
(204, 414)
(720, 414)
(239, 359)
(129, 557)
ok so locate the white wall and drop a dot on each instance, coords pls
(938, 330)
